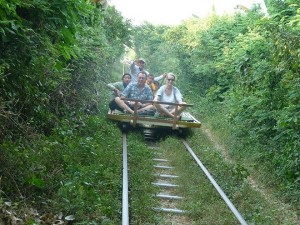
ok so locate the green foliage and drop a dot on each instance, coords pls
(149, 42)
(50, 66)
(246, 66)
(282, 9)
(76, 170)
(54, 59)
(141, 176)
(264, 93)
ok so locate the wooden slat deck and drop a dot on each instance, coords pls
(187, 120)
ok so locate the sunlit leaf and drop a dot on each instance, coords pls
(70, 218)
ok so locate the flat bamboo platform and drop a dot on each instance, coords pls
(153, 121)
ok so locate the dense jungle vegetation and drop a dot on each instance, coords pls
(60, 159)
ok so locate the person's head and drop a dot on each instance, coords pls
(141, 62)
(126, 78)
(170, 78)
(141, 78)
(150, 79)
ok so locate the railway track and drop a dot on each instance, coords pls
(166, 181)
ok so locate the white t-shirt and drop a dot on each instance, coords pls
(134, 70)
(174, 97)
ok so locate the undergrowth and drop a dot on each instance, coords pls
(141, 176)
(203, 201)
(75, 174)
(255, 182)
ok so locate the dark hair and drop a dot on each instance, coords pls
(128, 74)
(150, 75)
(143, 72)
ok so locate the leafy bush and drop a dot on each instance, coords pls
(52, 67)
(246, 68)
(76, 171)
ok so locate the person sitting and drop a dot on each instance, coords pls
(157, 85)
(169, 93)
(117, 89)
(151, 80)
(139, 91)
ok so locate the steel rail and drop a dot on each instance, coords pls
(214, 183)
(125, 214)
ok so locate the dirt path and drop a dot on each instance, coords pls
(227, 158)
(266, 193)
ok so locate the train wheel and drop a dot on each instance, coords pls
(184, 133)
(124, 127)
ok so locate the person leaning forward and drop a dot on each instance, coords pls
(153, 83)
(117, 89)
(137, 90)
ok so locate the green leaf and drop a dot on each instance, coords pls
(68, 36)
(37, 182)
